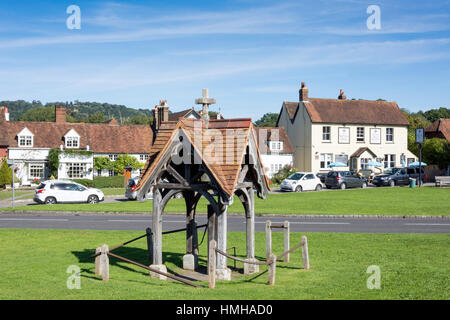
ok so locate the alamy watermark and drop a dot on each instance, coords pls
(374, 280)
(74, 20)
(373, 22)
(74, 280)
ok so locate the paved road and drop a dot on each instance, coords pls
(235, 223)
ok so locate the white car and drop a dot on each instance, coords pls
(60, 191)
(301, 181)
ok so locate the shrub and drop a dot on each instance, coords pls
(108, 182)
(5, 174)
(285, 172)
(85, 182)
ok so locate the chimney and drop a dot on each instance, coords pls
(161, 113)
(5, 112)
(60, 114)
(341, 95)
(303, 92)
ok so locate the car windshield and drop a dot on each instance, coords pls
(391, 170)
(296, 176)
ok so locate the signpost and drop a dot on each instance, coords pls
(420, 139)
(11, 162)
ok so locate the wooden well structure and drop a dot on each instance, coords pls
(216, 160)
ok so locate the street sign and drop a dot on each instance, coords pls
(420, 135)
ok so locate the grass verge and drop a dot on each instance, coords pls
(413, 266)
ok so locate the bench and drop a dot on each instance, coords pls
(442, 180)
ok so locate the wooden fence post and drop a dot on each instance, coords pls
(272, 269)
(212, 264)
(286, 240)
(104, 262)
(98, 265)
(268, 239)
(149, 233)
(305, 254)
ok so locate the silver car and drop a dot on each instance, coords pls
(130, 191)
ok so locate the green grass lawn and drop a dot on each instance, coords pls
(413, 266)
(113, 191)
(403, 201)
(8, 194)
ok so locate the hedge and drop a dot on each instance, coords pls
(102, 182)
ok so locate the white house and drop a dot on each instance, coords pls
(275, 149)
(354, 132)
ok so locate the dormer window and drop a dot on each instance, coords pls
(72, 142)
(276, 146)
(72, 139)
(25, 138)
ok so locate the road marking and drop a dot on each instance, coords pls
(427, 224)
(30, 219)
(304, 222)
(144, 221)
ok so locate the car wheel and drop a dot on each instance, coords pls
(318, 187)
(364, 185)
(298, 189)
(392, 183)
(92, 199)
(50, 200)
(343, 186)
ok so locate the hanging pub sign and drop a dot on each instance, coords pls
(375, 135)
(344, 135)
(420, 135)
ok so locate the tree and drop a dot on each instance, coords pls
(101, 163)
(5, 174)
(435, 114)
(267, 120)
(436, 151)
(97, 117)
(283, 173)
(39, 114)
(125, 160)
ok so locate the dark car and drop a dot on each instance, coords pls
(322, 177)
(413, 172)
(344, 180)
(392, 177)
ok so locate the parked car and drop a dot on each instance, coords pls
(130, 191)
(392, 177)
(322, 177)
(413, 172)
(344, 180)
(61, 191)
(301, 181)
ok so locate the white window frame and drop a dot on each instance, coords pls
(72, 142)
(76, 170)
(113, 157)
(33, 167)
(25, 141)
(325, 160)
(390, 135)
(360, 134)
(326, 132)
(143, 157)
(364, 161)
(389, 161)
(276, 146)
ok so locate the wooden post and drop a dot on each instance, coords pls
(286, 240)
(98, 265)
(272, 269)
(268, 239)
(212, 264)
(104, 261)
(250, 234)
(222, 237)
(149, 233)
(305, 254)
(157, 227)
(211, 228)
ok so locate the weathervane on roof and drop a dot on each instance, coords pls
(205, 101)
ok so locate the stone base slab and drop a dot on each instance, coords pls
(223, 274)
(190, 262)
(159, 267)
(251, 268)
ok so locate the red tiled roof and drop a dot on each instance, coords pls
(231, 155)
(350, 111)
(182, 114)
(101, 138)
(281, 136)
(439, 129)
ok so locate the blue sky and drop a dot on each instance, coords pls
(251, 54)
